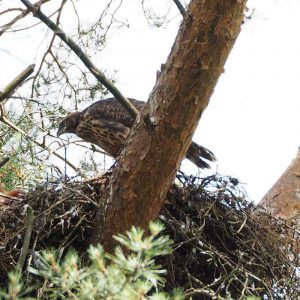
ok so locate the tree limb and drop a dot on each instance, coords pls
(23, 14)
(12, 86)
(4, 161)
(180, 7)
(83, 57)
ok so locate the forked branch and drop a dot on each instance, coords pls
(22, 15)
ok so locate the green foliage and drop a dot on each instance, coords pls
(119, 276)
(16, 289)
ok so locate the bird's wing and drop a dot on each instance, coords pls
(111, 110)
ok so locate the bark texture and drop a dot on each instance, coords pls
(163, 132)
(283, 199)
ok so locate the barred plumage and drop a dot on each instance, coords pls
(106, 123)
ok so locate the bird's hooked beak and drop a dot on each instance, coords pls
(61, 130)
(68, 124)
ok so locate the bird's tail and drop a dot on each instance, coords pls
(196, 153)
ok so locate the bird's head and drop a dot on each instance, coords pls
(69, 123)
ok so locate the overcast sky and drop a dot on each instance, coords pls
(252, 122)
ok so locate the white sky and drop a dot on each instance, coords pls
(252, 122)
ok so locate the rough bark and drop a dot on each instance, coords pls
(162, 134)
(283, 199)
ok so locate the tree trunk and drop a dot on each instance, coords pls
(283, 199)
(162, 134)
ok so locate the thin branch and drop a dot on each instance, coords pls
(28, 232)
(180, 7)
(93, 148)
(30, 26)
(12, 86)
(43, 146)
(49, 48)
(24, 13)
(25, 99)
(4, 161)
(10, 10)
(83, 57)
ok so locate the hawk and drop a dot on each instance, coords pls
(106, 123)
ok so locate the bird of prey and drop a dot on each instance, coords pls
(106, 123)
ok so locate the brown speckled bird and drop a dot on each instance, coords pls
(106, 123)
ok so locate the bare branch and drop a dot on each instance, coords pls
(49, 47)
(26, 241)
(83, 57)
(10, 10)
(12, 86)
(180, 7)
(4, 161)
(20, 16)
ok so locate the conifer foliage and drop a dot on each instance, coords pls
(106, 276)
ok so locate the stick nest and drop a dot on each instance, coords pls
(223, 245)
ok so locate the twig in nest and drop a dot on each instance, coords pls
(29, 226)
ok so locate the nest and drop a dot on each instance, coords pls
(64, 216)
(223, 245)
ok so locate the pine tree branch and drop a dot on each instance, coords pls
(83, 57)
(23, 14)
(12, 86)
(4, 161)
(180, 7)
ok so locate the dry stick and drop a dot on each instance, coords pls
(4, 162)
(12, 86)
(29, 227)
(23, 14)
(83, 57)
(180, 7)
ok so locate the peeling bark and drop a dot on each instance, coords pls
(163, 132)
(283, 199)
